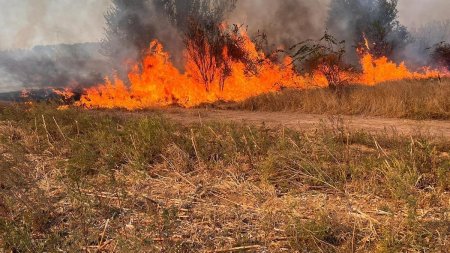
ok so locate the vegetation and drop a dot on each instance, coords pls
(131, 25)
(441, 55)
(401, 99)
(129, 30)
(324, 56)
(351, 20)
(106, 181)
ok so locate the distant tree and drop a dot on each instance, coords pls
(204, 12)
(127, 27)
(440, 55)
(324, 56)
(351, 20)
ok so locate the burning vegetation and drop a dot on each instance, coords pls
(288, 177)
(184, 53)
(210, 76)
(213, 61)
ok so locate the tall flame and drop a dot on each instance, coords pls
(158, 83)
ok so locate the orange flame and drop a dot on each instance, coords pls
(379, 70)
(65, 93)
(158, 83)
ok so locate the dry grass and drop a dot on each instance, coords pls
(425, 99)
(104, 182)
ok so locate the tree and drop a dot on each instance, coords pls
(128, 27)
(212, 49)
(204, 12)
(324, 56)
(440, 55)
(206, 37)
(375, 19)
(133, 24)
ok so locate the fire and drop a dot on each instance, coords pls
(65, 93)
(379, 70)
(63, 108)
(157, 82)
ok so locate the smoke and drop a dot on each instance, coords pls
(426, 36)
(429, 24)
(132, 25)
(416, 13)
(285, 22)
(27, 23)
(75, 65)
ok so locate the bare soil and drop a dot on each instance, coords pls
(301, 121)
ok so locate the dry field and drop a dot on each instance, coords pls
(97, 181)
(413, 99)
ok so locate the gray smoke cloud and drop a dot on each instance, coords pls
(26, 23)
(429, 23)
(285, 22)
(74, 65)
(31, 37)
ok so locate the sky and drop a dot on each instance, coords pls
(26, 23)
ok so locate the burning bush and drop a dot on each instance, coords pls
(133, 24)
(377, 19)
(211, 49)
(223, 63)
(209, 43)
(324, 57)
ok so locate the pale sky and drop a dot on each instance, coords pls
(25, 23)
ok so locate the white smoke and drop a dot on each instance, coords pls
(26, 23)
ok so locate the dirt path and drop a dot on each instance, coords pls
(301, 121)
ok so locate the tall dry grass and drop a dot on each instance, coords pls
(89, 181)
(415, 99)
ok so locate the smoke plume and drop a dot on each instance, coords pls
(285, 22)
